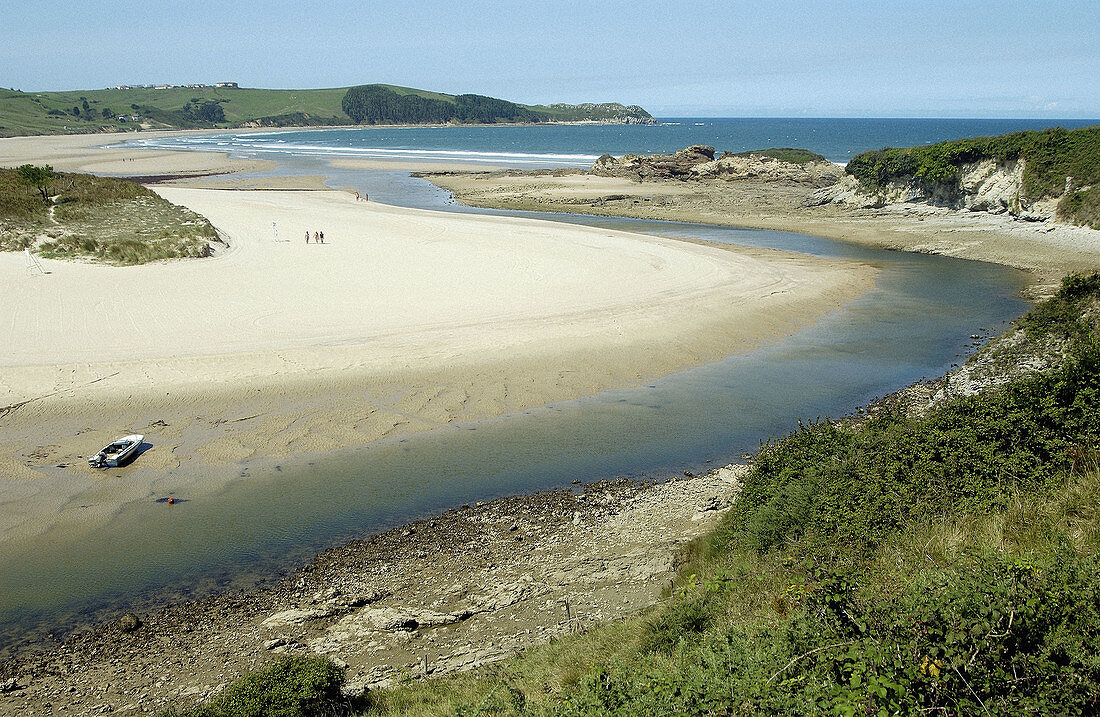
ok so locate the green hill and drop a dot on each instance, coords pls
(134, 108)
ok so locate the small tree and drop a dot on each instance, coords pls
(38, 177)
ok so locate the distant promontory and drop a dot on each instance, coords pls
(225, 105)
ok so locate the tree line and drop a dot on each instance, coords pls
(377, 104)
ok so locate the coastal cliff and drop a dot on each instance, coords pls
(992, 186)
(893, 199)
(1035, 176)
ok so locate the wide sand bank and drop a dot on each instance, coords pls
(1045, 249)
(403, 320)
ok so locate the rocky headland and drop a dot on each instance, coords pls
(699, 163)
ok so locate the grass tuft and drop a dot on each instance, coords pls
(288, 687)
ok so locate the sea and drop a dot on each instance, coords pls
(578, 145)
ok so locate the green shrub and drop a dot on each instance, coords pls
(993, 634)
(19, 201)
(1062, 314)
(830, 489)
(1081, 206)
(682, 620)
(289, 687)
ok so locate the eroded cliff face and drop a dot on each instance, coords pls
(698, 163)
(986, 186)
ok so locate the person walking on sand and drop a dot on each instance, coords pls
(315, 238)
(322, 237)
(307, 237)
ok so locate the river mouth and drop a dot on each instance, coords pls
(916, 323)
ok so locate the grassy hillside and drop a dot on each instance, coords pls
(1057, 163)
(85, 111)
(97, 219)
(53, 112)
(940, 564)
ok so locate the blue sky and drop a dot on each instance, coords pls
(967, 58)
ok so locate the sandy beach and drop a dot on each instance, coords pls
(402, 321)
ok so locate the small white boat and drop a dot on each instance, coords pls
(117, 452)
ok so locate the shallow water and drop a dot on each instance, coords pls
(916, 323)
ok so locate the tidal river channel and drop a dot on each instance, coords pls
(916, 323)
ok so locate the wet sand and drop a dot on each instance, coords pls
(93, 153)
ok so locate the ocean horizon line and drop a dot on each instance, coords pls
(578, 145)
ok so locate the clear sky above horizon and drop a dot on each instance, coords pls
(966, 58)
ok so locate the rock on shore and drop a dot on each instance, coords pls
(698, 162)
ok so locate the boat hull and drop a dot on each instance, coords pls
(118, 452)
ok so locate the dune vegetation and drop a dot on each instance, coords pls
(65, 215)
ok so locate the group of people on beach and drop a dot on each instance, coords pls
(318, 237)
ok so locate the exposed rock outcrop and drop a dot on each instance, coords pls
(698, 163)
(680, 165)
(463, 589)
(734, 167)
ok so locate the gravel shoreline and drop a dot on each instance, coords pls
(465, 588)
